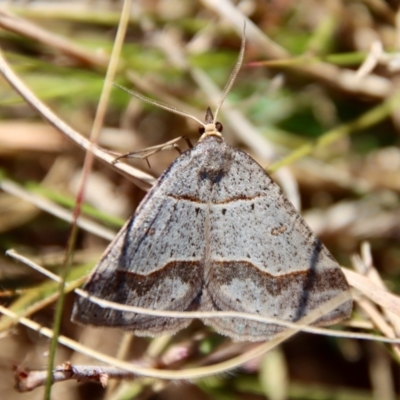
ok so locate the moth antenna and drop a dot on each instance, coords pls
(158, 104)
(234, 73)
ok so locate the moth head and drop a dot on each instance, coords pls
(210, 127)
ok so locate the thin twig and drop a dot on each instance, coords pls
(26, 380)
(87, 167)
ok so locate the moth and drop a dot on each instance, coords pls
(214, 233)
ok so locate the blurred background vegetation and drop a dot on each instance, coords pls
(298, 101)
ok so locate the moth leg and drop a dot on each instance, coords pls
(149, 151)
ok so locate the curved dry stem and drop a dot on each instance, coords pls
(190, 373)
(384, 298)
(141, 179)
